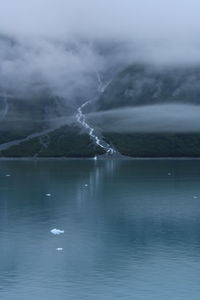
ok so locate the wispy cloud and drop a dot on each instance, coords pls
(152, 118)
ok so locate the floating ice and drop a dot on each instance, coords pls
(8, 175)
(57, 231)
(48, 195)
(169, 174)
(86, 185)
(195, 197)
(59, 249)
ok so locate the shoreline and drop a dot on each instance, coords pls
(92, 159)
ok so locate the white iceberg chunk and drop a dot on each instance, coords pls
(59, 249)
(57, 231)
(48, 195)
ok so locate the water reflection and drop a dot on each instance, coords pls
(96, 175)
(132, 230)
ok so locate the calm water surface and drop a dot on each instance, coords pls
(133, 232)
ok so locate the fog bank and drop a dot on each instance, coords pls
(172, 118)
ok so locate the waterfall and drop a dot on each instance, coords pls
(81, 119)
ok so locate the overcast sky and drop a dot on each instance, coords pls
(157, 31)
(132, 19)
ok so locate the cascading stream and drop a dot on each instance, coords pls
(81, 119)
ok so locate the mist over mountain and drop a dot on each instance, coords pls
(137, 62)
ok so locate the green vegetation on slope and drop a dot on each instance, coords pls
(156, 144)
(67, 141)
(138, 85)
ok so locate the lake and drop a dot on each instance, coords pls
(131, 229)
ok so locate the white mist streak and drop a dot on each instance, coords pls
(174, 118)
(17, 142)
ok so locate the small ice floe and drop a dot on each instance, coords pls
(86, 185)
(57, 231)
(59, 249)
(169, 174)
(8, 175)
(195, 197)
(48, 195)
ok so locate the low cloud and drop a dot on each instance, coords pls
(153, 119)
(60, 46)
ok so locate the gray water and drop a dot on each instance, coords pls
(132, 233)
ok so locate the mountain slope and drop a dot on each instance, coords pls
(143, 86)
(146, 85)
